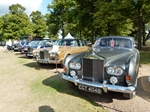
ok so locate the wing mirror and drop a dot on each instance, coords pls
(135, 46)
(89, 44)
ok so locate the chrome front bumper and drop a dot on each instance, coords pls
(106, 87)
(29, 54)
(48, 61)
(15, 48)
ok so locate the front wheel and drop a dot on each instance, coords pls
(131, 95)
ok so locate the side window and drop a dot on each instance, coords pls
(82, 43)
(103, 43)
(73, 43)
(97, 43)
(47, 43)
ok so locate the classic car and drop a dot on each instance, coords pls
(112, 64)
(36, 44)
(59, 51)
(24, 46)
(18, 46)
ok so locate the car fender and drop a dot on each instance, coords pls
(132, 71)
(70, 57)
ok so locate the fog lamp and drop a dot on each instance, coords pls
(72, 73)
(113, 80)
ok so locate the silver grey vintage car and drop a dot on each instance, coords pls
(112, 64)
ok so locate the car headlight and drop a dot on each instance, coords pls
(52, 54)
(119, 71)
(114, 70)
(75, 65)
(36, 53)
(110, 70)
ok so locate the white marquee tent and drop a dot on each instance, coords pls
(69, 36)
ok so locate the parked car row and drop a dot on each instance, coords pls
(111, 64)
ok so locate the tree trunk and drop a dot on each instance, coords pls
(140, 24)
(108, 26)
(80, 34)
(93, 34)
(144, 33)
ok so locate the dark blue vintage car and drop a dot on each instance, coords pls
(112, 64)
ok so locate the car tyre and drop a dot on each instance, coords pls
(130, 95)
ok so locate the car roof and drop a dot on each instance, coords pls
(71, 39)
(117, 37)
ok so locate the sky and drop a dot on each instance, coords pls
(30, 5)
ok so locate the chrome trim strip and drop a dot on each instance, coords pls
(103, 85)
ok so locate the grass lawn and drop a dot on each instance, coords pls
(145, 57)
(28, 87)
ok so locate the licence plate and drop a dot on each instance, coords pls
(29, 54)
(43, 61)
(90, 89)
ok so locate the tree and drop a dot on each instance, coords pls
(39, 24)
(57, 16)
(16, 23)
(1, 27)
(16, 9)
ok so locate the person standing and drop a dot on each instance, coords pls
(9, 47)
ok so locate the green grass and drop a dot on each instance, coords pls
(145, 57)
(65, 95)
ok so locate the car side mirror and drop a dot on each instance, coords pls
(89, 44)
(135, 46)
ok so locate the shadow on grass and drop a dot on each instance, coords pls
(38, 66)
(18, 53)
(24, 57)
(143, 89)
(45, 108)
(66, 87)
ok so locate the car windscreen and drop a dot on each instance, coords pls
(42, 42)
(67, 43)
(45, 43)
(34, 43)
(114, 42)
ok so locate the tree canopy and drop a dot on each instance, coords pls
(85, 19)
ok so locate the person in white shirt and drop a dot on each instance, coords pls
(9, 47)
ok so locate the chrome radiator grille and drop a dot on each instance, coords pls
(44, 55)
(30, 49)
(15, 46)
(93, 69)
